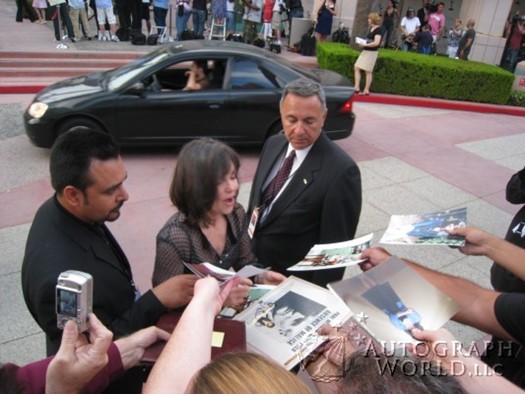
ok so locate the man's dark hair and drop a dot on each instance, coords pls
(73, 153)
(201, 166)
(397, 375)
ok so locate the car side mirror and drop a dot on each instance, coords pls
(137, 88)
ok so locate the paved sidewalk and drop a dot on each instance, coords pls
(456, 159)
(413, 159)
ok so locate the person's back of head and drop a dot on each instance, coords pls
(378, 373)
(72, 154)
(245, 373)
(471, 23)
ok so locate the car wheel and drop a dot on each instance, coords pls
(78, 122)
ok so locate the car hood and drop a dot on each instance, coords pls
(74, 87)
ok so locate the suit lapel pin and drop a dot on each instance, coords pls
(305, 181)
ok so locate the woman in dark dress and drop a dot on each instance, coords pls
(389, 16)
(325, 16)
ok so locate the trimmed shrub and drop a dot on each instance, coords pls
(517, 98)
(413, 74)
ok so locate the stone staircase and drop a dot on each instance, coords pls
(31, 71)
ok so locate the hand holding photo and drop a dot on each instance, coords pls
(203, 270)
(392, 299)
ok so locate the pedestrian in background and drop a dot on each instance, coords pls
(198, 15)
(368, 57)
(454, 35)
(515, 40)
(466, 42)
(77, 9)
(409, 27)
(391, 13)
(40, 7)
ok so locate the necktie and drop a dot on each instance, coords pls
(278, 181)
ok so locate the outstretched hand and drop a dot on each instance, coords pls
(476, 241)
(78, 360)
(132, 347)
(373, 256)
(177, 291)
(208, 291)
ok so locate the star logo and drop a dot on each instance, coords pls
(361, 318)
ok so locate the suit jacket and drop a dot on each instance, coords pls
(58, 242)
(321, 204)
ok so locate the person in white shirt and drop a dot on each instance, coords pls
(410, 25)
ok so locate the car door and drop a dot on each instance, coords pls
(165, 114)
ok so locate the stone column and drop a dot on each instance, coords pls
(490, 17)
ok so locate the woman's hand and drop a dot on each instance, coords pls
(239, 294)
(269, 278)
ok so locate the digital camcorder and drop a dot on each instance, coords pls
(74, 298)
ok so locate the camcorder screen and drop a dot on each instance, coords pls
(67, 302)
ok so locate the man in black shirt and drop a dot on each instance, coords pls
(68, 233)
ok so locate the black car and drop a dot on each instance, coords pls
(143, 103)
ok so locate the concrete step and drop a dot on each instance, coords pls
(45, 72)
(32, 70)
(105, 64)
(69, 55)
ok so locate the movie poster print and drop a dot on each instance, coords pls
(391, 299)
(283, 323)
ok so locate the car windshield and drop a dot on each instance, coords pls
(122, 75)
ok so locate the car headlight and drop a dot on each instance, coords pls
(37, 110)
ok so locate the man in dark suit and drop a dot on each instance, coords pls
(321, 199)
(68, 233)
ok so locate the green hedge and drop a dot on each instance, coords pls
(412, 74)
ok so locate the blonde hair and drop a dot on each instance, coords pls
(374, 17)
(245, 373)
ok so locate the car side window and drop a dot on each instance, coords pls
(247, 74)
(173, 76)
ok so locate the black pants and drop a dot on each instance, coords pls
(64, 18)
(23, 6)
(136, 14)
(124, 13)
